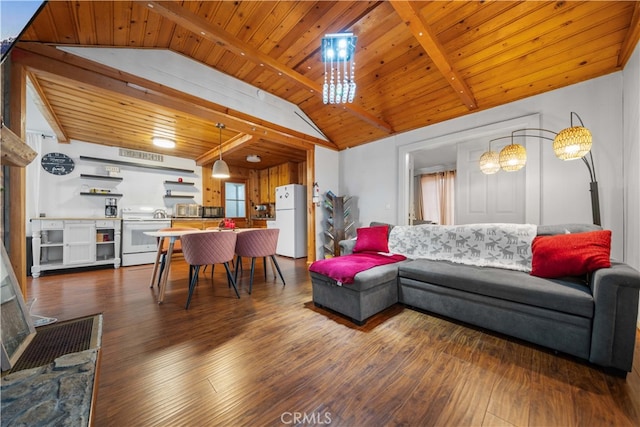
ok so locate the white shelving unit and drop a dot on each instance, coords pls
(68, 243)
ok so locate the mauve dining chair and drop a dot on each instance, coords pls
(259, 243)
(207, 248)
(218, 229)
(177, 247)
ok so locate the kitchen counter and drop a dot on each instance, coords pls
(77, 218)
(203, 223)
(194, 219)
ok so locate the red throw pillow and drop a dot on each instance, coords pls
(570, 254)
(372, 239)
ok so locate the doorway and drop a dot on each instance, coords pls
(471, 143)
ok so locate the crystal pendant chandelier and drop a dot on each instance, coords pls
(339, 68)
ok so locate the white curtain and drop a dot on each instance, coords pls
(419, 207)
(438, 197)
(33, 140)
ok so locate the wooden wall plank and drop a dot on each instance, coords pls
(17, 249)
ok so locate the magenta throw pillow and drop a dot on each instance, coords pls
(372, 239)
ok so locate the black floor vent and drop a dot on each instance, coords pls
(53, 341)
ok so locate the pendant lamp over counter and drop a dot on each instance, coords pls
(220, 167)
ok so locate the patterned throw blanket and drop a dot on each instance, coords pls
(343, 269)
(485, 245)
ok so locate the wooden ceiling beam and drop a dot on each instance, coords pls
(429, 41)
(188, 20)
(230, 146)
(632, 37)
(45, 108)
(42, 59)
(14, 151)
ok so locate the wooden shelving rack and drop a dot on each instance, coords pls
(339, 225)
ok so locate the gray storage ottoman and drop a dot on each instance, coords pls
(373, 290)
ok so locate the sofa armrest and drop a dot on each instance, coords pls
(346, 246)
(615, 294)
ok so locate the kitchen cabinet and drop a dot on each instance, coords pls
(287, 174)
(60, 243)
(266, 195)
(258, 223)
(273, 183)
(79, 239)
(276, 176)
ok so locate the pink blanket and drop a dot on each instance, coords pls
(343, 269)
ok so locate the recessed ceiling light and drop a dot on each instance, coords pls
(159, 141)
(253, 158)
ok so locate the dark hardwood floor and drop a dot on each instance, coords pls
(272, 358)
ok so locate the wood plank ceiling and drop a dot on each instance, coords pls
(418, 63)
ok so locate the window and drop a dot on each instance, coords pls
(235, 200)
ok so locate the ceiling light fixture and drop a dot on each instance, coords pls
(220, 167)
(253, 158)
(569, 144)
(163, 142)
(338, 51)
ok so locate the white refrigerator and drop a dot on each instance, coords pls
(291, 219)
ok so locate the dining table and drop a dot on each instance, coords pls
(173, 236)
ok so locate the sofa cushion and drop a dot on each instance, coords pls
(343, 269)
(568, 295)
(571, 254)
(372, 239)
(366, 279)
(550, 230)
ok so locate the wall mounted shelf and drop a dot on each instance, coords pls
(179, 183)
(138, 165)
(84, 193)
(103, 177)
(178, 196)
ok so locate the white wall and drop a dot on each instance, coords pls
(59, 196)
(371, 173)
(631, 101)
(327, 172)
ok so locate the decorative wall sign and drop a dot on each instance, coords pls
(57, 163)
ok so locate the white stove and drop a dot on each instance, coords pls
(137, 247)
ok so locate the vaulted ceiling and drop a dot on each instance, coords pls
(418, 63)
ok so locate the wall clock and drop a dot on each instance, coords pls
(57, 163)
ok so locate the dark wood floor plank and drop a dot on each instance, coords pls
(271, 356)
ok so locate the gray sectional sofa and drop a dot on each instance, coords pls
(592, 319)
